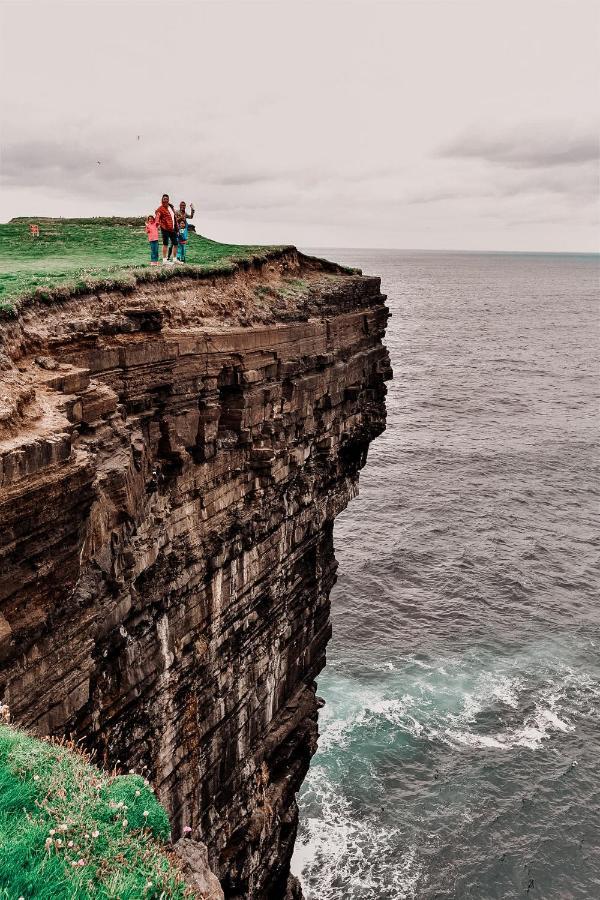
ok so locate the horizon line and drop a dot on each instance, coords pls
(449, 250)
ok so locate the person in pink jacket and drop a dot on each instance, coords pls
(152, 232)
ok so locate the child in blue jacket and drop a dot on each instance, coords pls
(182, 236)
(182, 228)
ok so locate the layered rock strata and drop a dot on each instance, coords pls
(171, 464)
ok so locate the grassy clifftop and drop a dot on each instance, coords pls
(68, 830)
(74, 256)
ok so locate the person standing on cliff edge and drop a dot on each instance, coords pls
(182, 228)
(165, 218)
(181, 213)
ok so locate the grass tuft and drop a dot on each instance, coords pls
(69, 830)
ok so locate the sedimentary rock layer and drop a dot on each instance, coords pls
(171, 465)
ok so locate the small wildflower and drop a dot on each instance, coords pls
(145, 813)
(52, 831)
(36, 777)
(137, 793)
(63, 827)
(48, 843)
(186, 829)
(95, 833)
(81, 862)
(58, 842)
(124, 823)
(70, 844)
(86, 836)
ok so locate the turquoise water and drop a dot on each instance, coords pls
(460, 740)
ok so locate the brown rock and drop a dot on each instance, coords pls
(5, 636)
(195, 867)
(293, 889)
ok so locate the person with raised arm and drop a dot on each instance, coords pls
(182, 228)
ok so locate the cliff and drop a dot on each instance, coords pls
(172, 460)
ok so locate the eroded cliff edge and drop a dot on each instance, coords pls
(172, 462)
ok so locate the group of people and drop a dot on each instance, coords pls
(173, 226)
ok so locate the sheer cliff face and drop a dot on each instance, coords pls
(172, 462)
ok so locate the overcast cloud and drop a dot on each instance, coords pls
(466, 124)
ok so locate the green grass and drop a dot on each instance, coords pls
(69, 830)
(74, 256)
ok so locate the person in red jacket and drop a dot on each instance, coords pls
(165, 218)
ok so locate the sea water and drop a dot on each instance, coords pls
(459, 754)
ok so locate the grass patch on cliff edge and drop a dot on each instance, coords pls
(75, 256)
(69, 830)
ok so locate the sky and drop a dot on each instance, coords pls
(434, 124)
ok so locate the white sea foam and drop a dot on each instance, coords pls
(537, 727)
(445, 702)
(336, 852)
(345, 850)
(531, 734)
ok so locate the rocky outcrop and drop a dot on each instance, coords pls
(172, 462)
(193, 858)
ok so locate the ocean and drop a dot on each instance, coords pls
(459, 754)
